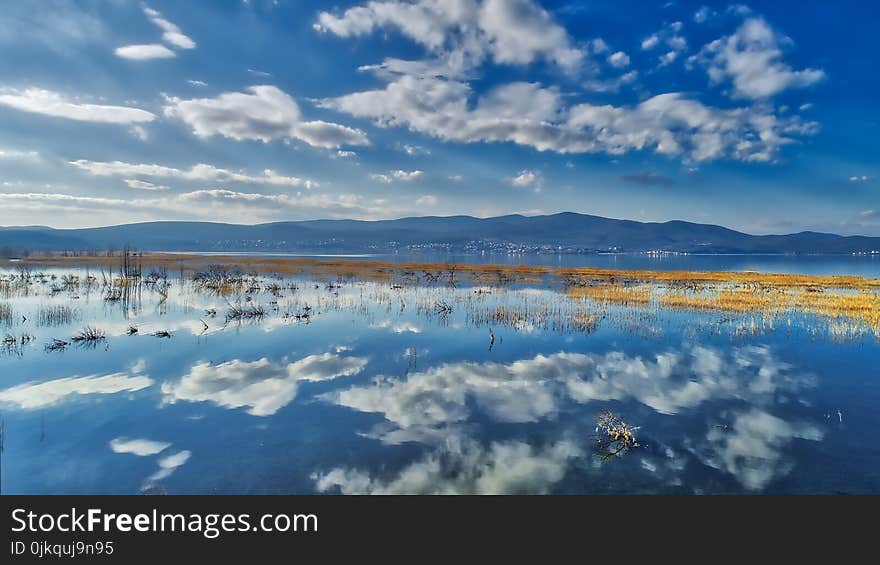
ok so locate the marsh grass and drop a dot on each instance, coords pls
(564, 300)
(89, 334)
(6, 314)
(246, 311)
(57, 315)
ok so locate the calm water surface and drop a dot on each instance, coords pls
(385, 389)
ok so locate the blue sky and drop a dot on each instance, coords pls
(761, 116)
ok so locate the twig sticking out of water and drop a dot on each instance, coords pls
(614, 436)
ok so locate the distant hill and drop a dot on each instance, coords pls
(558, 233)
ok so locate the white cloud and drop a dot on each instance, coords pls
(210, 204)
(379, 177)
(413, 150)
(167, 466)
(32, 396)
(611, 84)
(650, 42)
(193, 82)
(752, 449)
(408, 176)
(427, 201)
(140, 447)
(513, 32)
(18, 155)
(618, 59)
(527, 114)
(144, 185)
(341, 153)
(171, 33)
(532, 389)
(264, 113)
(739, 9)
(262, 386)
(703, 14)
(860, 178)
(668, 58)
(462, 466)
(49, 103)
(751, 59)
(455, 178)
(199, 172)
(599, 46)
(670, 36)
(398, 328)
(526, 178)
(144, 52)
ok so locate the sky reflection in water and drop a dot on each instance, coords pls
(377, 392)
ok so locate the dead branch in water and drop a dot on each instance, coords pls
(614, 436)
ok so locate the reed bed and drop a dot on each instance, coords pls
(56, 315)
(6, 314)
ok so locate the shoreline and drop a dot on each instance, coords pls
(361, 267)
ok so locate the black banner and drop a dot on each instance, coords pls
(129, 529)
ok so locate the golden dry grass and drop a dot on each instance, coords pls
(848, 298)
(613, 293)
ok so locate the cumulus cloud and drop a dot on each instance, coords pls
(263, 113)
(262, 386)
(526, 178)
(532, 389)
(618, 59)
(860, 178)
(669, 35)
(751, 60)
(35, 395)
(529, 114)
(466, 32)
(463, 466)
(200, 172)
(408, 176)
(138, 446)
(752, 447)
(50, 103)
(144, 52)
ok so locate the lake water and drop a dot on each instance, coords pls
(859, 265)
(374, 387)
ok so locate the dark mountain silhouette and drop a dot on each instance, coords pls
(566, 232)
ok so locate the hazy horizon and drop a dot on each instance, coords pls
(86, 227)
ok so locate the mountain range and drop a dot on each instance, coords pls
(566, 232)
